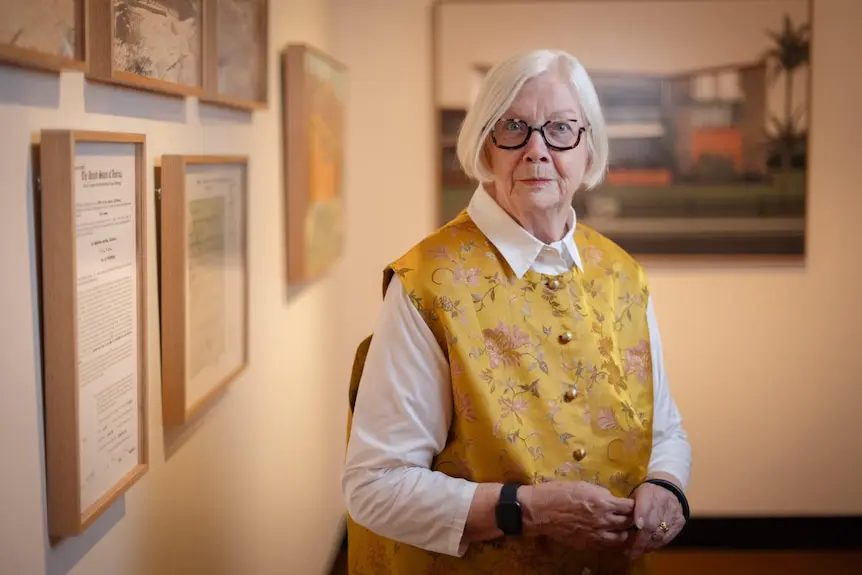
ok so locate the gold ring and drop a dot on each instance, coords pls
(664, 526)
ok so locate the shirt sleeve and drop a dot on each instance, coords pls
(671, 452)
(400, 422)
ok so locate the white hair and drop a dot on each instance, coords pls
(499, 89)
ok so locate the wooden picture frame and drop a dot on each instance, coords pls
(708, 139)
(236, 46)
(314, 89)
(125, 51)
(94, 280)
(27, 46)
(204, 280)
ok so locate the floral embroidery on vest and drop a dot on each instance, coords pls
(551, 380)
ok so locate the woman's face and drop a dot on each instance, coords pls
(535, 177)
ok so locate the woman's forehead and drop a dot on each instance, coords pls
(544, 96)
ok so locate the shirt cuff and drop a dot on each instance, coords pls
(456, 546)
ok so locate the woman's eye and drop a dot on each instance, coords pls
(561, 126)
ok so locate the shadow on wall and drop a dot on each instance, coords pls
(25, 87)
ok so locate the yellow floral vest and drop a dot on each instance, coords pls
(551, 380)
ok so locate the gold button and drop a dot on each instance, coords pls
(554, 284)
(569, 395)
(579, 454)
(566, 337)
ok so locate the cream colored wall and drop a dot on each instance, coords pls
(762, 359)
(614, 36)
(254, 489)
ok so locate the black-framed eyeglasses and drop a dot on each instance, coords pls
(559, 135)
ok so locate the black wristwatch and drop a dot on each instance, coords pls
(510, 519)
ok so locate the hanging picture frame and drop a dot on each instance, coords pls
(314, 93)
(236, 45)
(93, 225)
(151, 45)
(204, 280)
(44, 35)
(708, 139)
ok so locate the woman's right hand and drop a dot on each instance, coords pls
(576, 513)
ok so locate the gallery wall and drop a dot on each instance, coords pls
(254, 486)
(765, 376)
(760, 355)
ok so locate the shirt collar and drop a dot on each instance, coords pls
(518, 246)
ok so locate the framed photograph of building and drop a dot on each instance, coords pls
(153, 45)
(313, 98)
(93, 226)
(708, 137)
(46, 35)
(204, 280)
(237, 35)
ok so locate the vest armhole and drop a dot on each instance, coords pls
(358, 367)
(388, 274)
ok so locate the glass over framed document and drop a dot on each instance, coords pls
(204, 280)
(94, 305)
(45, 35)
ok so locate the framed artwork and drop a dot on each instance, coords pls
(314, 95)
(45, 35)
(237, 35)
(153, 45)
(204, 280)
(93, 226)
(707, 138)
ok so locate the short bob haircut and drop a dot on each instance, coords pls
(499, 90)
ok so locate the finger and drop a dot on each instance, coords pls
(644, 511)
(618, 522)
(621, 506)
(646, 521)
(613, 538)
(637, 544)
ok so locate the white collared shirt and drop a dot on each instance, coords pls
(404, 406)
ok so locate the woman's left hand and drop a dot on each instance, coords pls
(658, 517)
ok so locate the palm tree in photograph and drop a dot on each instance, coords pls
(789, 52)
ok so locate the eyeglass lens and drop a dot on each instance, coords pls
(559, 133)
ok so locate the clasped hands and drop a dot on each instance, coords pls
(587, 516)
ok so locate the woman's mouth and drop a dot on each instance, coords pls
(535, 181)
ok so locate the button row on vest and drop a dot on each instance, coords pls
(570, 395)
(579, 453)
(554, 284)
(566, 337)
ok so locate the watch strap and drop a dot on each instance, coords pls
(508, 512)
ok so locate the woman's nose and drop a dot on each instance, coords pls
(536, 150)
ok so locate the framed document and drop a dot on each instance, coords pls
(153, 45)
(204, 280)
(313, 97)
(43, 35)
(236, 35)
(94, 305)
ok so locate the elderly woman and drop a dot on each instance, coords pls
(513, 414)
